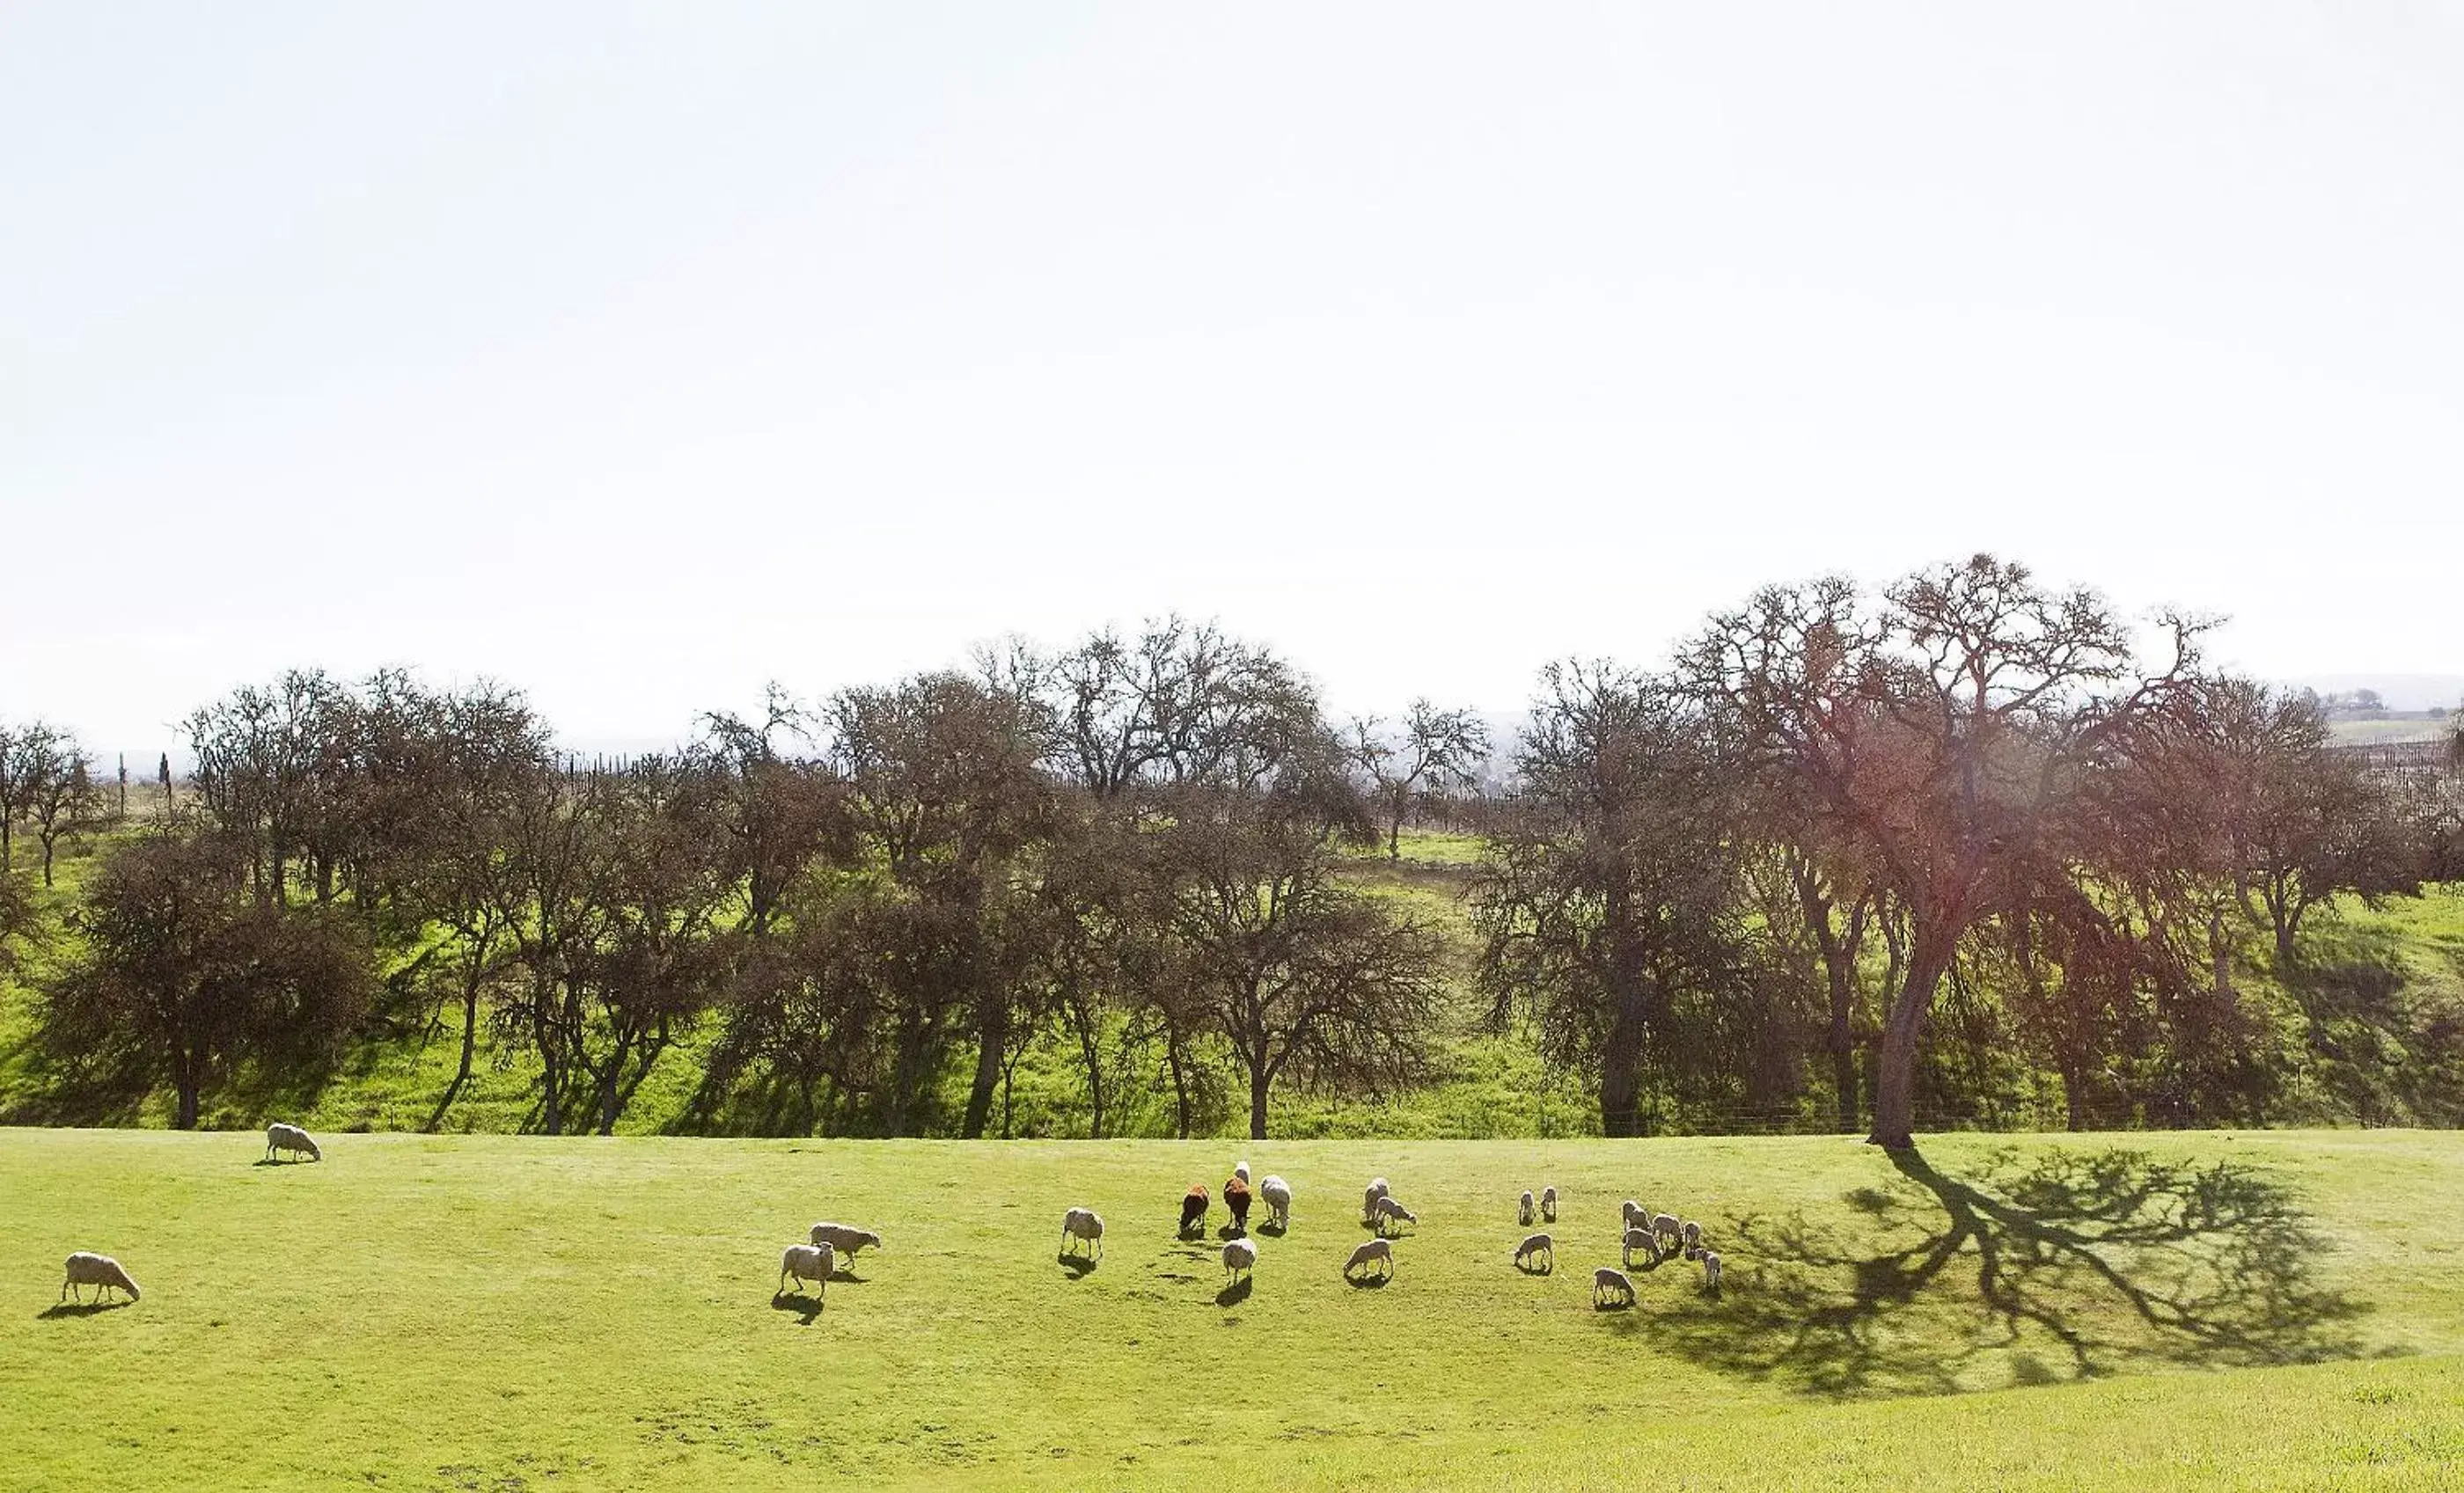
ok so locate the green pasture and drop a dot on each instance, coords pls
(2278, 1309)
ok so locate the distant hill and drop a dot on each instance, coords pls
(2401, 692)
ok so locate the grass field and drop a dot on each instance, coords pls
(2280, 1309)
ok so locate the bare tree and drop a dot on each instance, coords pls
(25, 757)
(1431, 753)
(64, 797)
(1942, 735)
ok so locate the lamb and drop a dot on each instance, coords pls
(1235, 1196)
(1536, 1247)
(1083, 1223)
(1376, 1251)
(1548, 1205)
(1523, 1209)
(1389, 1211)
(1641, 1239)
(1690, 1234)
(1278, 1196)
(1711, 1272)
(1615, 1283)
(844, 1239)
(1193, 1209)
(1665, 1223)
(90, 1269)
(1240, 1257)
(1369, 1199)
(1637, 1216)
(1240, 1169)
(280, 1138)
(803, 1263)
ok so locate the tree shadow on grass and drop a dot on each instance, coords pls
(2108, 1258)
(805, 1307)
(79, 1308)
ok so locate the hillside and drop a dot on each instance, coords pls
(2256, 1311)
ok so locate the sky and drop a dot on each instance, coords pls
(640, 354)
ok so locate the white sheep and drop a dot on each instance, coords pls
(1376, 1251)
(1548, 1205)
(1637, 1216)
(1370, 1196)
(1615, 1283)
(1278, 1196)
(1689, 1236)
(1240, 1257)
(1536, 1247)
(279, 1138)
(1389, 1211)
(802, 1262)
(1082, 1223)
(1240, 1169)
(1523, 1209)
(844, 1239)
(1665, 1223)
(90, 1269)
(1711, 1271)
(1641, 1239)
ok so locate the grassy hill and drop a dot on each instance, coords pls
(2283, 1310)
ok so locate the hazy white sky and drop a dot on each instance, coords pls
(638, 354)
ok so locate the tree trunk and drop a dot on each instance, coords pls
(184, 1084)
(2073, 1100)
(1895, 1076)
(1621, 1054)
(1090, 1051)
(992, 1041)
(47, 860)
(470, 1045)
(1179, 1082)
(1259, 1082)
(6, 844)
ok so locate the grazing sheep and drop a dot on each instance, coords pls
(1370, 1197)
(1637, 1216)
(1665, 1223)
(844, 1239)
(1376, 1251)
(1235, 1196)
(1640, 1239)
(89, 1269)
(1615, 1283)
(280, 1138)
(1689, 1236)
(1083, 1223)
(1548, 1205)
(803, 1263)
(1278, 1196)
(1193, 1209)
(1538, 1246)
(1523, 1209)
(1240, 1169)
(1389, 1211)
(1711, 1272)
(1240, 1257)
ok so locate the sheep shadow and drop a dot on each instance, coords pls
(1237, 1292)
(1273, 1230)
(1613, 1304)
(1535, 1264)
(1374, 1281)
(1078, 1266)
(275, 1161)
(805, 1307)
(2111, 1257)
(79, 1308)
(1231, 1231)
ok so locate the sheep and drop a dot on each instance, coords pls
(1278, 1196)
(1637, 1216)
(1240, 1169)
(844, 1239)
(1523, 1209)
(1689, 1235)
(1240, 1257)
(1235, 1196)
(802, 1262)
(280, 1138)
(1193, 1209)
(1665, 1223)
(1370, 1197)
(1711, 1271)
(90, 1269)
(1615, 1283)
(1389, 1211)
(1641, 1239)
(1536, 1247)
(1083, 1223)
(1376, 1251)
(1548, 1205)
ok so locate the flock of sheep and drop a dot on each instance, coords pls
(1656, 1237)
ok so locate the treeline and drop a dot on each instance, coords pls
(1875, 852)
